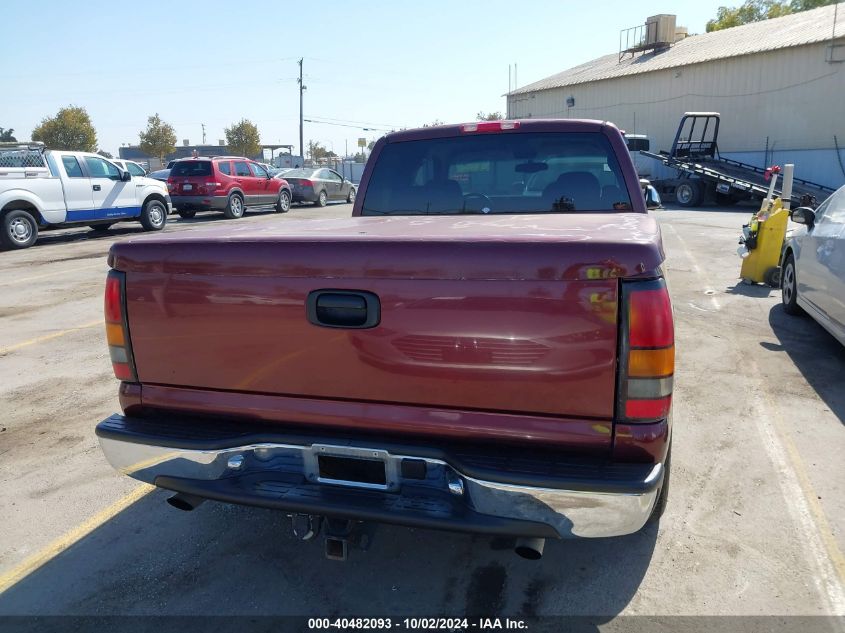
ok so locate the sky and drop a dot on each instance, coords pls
(376, 65)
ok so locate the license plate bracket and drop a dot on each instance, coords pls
(372, 469)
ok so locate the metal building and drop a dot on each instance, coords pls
(779, 85)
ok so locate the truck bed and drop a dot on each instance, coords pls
(512, 315)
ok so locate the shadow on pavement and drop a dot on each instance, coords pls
(751, 290)
(817, 355)
(230, 560)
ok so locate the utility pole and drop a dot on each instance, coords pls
(301, 90)
(203, 133)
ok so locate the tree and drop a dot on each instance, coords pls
(757, 10)
(318, 152)
(159, 139)
(490, 116)
(6, 135)
(70, 130)
(243, 139)
(104, 153)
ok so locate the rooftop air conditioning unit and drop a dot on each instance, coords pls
(221, 142)
(681, 33)
(660, 29)
(186, 142)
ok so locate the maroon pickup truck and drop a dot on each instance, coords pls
(487, 345)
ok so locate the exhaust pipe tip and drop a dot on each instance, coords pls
(530, 548)
(185, 502)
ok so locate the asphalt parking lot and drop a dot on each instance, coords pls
(754, 526)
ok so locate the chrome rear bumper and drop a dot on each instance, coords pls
(443, 494)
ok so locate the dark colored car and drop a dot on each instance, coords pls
(319, 186)
(814, 265)
(224, 183)
(161, 174)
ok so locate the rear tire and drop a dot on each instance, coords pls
(283, 203)
(689, 193)
(187, 215)
(100, 228)
(789, 287)
(322, 199)
(351, 197)
(154, 215)
(234, 207)
(19, 230)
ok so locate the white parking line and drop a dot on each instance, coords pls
(799, 497)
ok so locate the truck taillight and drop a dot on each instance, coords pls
(647, 359)
(211, 187)
(117, 329)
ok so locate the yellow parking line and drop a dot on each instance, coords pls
(48, 337)
(32, 563)
(53, 274)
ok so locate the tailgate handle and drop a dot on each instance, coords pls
(351, 309)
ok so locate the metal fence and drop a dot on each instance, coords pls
(21, 157)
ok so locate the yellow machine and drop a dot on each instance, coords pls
(765, 234)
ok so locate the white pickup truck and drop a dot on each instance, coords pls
(42, 189)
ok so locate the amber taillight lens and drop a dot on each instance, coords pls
(117, 327)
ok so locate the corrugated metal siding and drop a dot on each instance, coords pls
(791, 96)
(797, 29)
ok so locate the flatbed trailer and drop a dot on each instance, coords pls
(705, 176)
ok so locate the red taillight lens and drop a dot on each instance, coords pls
(117, 331)
(113, 302)
(647, 364)
(650, 319)
(306, 183)
(211, 187)
(656, 409)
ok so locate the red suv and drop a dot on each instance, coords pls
(224, 183)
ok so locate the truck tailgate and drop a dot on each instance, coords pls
(508, 313)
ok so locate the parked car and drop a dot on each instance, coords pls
(41, 189)
(131, 166)
(813, 265)
(161, 174)
(224, 183)
(319, 186)
(459, 354)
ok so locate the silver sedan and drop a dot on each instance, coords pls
(319, 186)
(814, 265)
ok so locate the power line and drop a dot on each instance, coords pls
(356, 127)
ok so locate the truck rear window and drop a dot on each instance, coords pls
(497, 173)
(188, 168)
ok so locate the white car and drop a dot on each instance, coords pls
(131, 166)
(42, 189)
